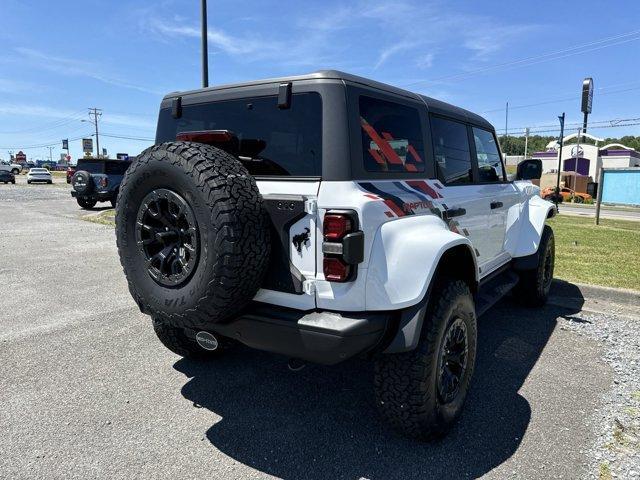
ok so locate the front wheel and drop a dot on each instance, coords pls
(421, 393)
(534, 285)
(86, 203)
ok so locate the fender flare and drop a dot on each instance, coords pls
(411, 318)
(405, 257)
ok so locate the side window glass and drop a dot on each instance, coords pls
(391, 136)
(490, 167)
(451, 150)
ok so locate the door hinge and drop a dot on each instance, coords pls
(309, 287)
(310, 206)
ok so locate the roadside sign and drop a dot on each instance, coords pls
(122, 156)
(87, 145)
(104, 152)
(587, 95)
(21, 157)
(65, 144)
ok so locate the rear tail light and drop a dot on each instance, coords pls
(336, 226)
(343, 245)
(335, 270)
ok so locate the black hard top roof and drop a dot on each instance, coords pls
(435, 106)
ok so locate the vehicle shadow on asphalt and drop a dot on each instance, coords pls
(321, 422)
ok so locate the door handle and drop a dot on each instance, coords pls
(453, 212)
(495, 205)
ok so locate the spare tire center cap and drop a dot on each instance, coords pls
(207, 340)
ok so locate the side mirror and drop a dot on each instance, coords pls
(529, 169)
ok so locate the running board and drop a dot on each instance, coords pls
(494, 289)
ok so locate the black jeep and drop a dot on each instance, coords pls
(97, 180)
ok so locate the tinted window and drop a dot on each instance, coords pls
(391, 137)
(490, 167)
(91, 166)
(273, 141)
(116, 168)
(451, 150)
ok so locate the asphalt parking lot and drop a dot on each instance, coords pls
(87, 391)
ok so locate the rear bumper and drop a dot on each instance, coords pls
(99, 196)
(320, 337)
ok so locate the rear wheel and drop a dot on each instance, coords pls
(421, 393)
(15, 171)
(534, 285)
(86, 203)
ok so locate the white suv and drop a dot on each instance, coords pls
(14, 168)
(328, 216)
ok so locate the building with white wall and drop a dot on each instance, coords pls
(587, 158)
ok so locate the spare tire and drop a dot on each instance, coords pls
(81, 182)
(192, 234)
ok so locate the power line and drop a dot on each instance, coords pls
(564, 99)
(127, 137)
(42, 145)
(598, 127)
(533, 60)
(60, 122)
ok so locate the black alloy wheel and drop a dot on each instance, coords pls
(167, 236)
(452, 362)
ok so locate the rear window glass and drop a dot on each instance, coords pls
(116, 168)
(91, 166)
(391, 136)
(451, 150)
(273, 141)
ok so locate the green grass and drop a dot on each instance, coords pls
(103, 218)
(608, 254)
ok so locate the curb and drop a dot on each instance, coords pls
(621, 296)
(595, 298)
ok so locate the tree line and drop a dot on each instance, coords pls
(537, 143)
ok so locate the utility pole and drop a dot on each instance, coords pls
(96, 113)
(50, 156)
(526, 141)
(561, 118)
(205, 54)
(506, 120)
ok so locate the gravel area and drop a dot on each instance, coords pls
(616, 454)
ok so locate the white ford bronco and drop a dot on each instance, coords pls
(328, 216)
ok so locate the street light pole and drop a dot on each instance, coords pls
(205, 54)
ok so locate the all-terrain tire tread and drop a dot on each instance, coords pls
(232, 198)
(403, 381)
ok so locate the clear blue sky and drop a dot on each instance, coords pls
(59, 57)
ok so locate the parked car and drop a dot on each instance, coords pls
(329, 216)
(71, 169)
(39, 175)
(7, 177)
(14, 168)
(566, 193)
(97, 180)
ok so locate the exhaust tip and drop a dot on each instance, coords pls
(207, 341)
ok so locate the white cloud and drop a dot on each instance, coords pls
(44, 111)
(425, 61)
(73, 67)
(388, 52)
